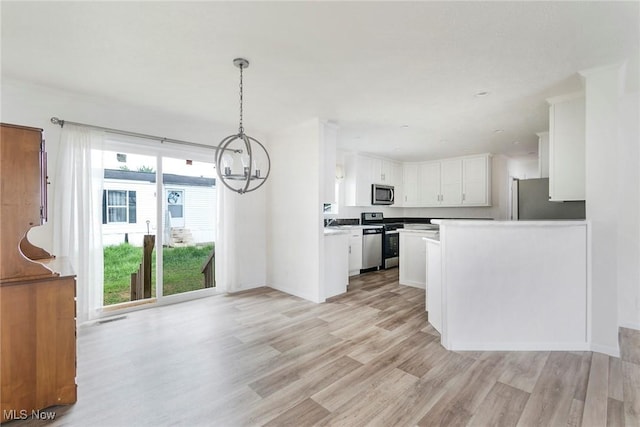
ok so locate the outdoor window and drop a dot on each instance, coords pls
(118, 206)
(175, 203)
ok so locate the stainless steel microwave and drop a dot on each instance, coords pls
(382, 194)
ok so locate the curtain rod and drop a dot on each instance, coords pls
(57, 121)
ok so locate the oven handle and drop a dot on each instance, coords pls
(392, 232)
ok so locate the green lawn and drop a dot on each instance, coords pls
(182, 270)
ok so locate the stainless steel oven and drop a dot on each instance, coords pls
(390, 237)
(391, 244)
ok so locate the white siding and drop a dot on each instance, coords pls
(114, 234)
(199, 212)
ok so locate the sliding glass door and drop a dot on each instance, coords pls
(129, 224)
(188, 218)
(158, 225)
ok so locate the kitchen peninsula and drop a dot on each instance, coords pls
(511, 285)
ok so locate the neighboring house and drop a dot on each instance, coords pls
(129, 201)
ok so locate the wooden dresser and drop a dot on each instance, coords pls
(37, 291)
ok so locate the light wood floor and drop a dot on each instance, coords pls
(366, 358)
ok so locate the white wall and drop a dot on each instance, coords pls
(628, 233)
(498, 210)
(241, 246)
(514, 285)
(523, 168)
(602, 142)
(33, 105)
(294, 211)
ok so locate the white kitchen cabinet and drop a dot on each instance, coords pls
(567, 148)
(410, 184)
(429, 183)
(413, 259)
(476, 181)
(434, 284)
(543, 154)
(355, 251)
(462, 181)
(451, 182)
(357, 180)
(336, 264)
(385, 172)
(362, 171)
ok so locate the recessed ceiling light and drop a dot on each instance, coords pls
(482, 93)
(404, 126)
(498, 131)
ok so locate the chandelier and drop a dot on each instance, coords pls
(242, 162)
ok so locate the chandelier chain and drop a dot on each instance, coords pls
(241, 128)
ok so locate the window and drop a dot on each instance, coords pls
(175, 203)
(118, 207)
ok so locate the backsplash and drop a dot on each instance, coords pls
(341, 221)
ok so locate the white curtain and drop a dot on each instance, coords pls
(77, 213)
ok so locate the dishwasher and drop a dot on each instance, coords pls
(371, 248)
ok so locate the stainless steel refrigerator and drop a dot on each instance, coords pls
(530, 200)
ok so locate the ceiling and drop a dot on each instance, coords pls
(399, 78)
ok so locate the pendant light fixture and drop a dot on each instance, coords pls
(248, 167)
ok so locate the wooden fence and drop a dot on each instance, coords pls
(141, 279)
(209, 270)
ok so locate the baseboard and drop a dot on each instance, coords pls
(609, 351)
(519, 346)
(296, 293)
(413, 284)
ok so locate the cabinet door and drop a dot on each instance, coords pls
(451, 182)
(567, 150)
(429, 180)
(395, 178)
(363, 181)
(410, 184)
(357, 180)
(377, 171)
(355, 252)
(475, 180)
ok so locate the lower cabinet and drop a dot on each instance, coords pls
(38, 345)
(336, 264)
(355, 252)
(434, 284)
(412, 259)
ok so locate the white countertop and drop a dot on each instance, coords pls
(486, 223)
(426, 234)
(421, 226)
(335, 231)
(350, 227)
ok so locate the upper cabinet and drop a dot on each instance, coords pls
(543, 154)
(362, 171)
(386, 172)
(567, 148)
(23, 203)
(476, 181)
(357, 180)
(463, 181)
